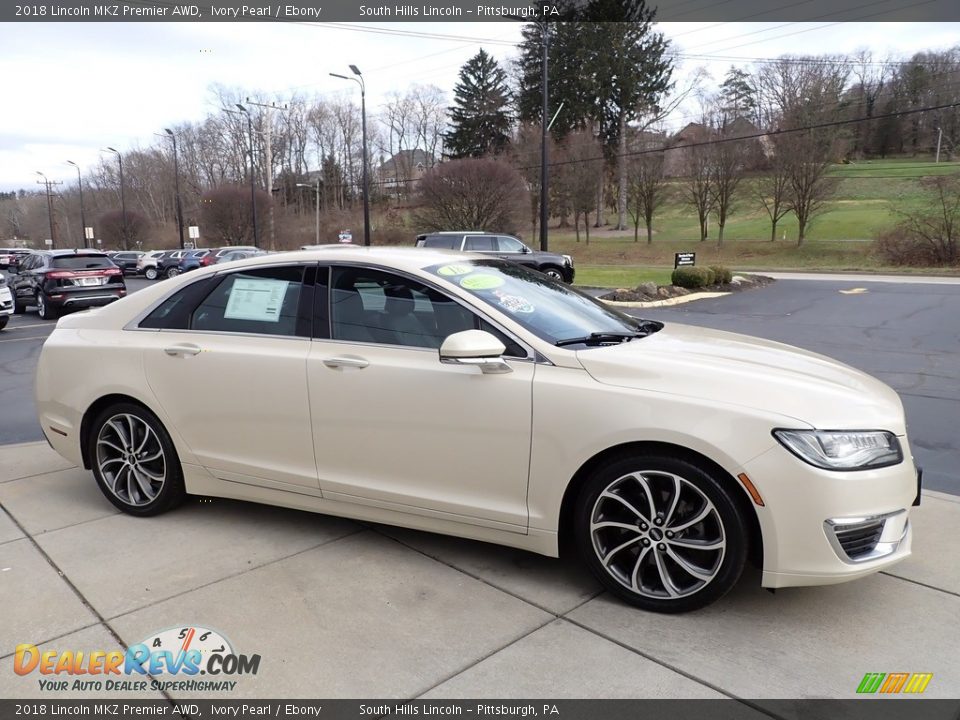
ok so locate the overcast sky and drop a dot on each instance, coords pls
(71, 88)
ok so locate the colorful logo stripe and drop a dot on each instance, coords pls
(893, 683)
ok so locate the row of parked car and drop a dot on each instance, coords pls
(58, 280)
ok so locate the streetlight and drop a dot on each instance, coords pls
(253, 193)
(46, 186)
(363, 114)
(123, 201)
(83, 217)
(315, 189)
(176, 182)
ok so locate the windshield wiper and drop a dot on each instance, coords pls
(600, 338)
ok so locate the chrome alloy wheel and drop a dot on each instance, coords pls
(657, 534)
(131, 459)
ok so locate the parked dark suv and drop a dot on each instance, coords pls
(559, 267)
(58, 280)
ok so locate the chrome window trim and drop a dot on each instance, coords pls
(529, 349)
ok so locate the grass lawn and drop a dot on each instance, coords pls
(870, 197)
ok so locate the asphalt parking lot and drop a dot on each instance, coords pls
(904, 333)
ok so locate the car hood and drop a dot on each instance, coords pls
(751, 372)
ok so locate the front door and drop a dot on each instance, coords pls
(396, 428)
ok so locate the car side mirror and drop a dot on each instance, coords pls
(526, 249)
(475, 347)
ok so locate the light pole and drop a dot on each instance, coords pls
(46, 186)
(363, 115)
(83, 216)
(544, 178)
(315, 189)
(123, 201)
(253, 192)
(176, 184)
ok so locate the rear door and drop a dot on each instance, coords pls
(228, 366)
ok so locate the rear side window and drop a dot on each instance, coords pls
(445, 242)
(264, 301)
(81, 262)
(480, 243)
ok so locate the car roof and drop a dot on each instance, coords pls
(399, 257)
(75, 251)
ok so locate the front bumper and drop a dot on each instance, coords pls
(822, 527)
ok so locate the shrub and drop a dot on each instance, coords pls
(721, 274)
(692, 277)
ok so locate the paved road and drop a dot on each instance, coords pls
(902, 332)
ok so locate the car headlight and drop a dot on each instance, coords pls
(842, 449)
(569, 260)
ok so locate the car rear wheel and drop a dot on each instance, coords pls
(19, 308)
(134, 461)
(661, 533)
(150, 273)
(43, 307)
(172, 272)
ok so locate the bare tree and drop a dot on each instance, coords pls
(227, 216)
(111, 229)
(698, 185)
(472, 194)
(929, 235)
(646, 191)
(584, 169)
(772, 189)
(808, 154)
(726, 172)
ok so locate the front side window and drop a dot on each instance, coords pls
(263, 301)
(374, 306)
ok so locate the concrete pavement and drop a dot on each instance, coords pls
(343, 609)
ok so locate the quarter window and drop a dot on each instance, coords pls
(509, 244)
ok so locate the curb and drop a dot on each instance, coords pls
(669, 301)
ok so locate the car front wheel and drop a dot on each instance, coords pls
(134, 461)
(661, 533)
(554, 273)
(3, 321)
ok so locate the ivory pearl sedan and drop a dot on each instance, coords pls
(470, 396)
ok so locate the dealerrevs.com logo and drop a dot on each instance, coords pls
(182, 653)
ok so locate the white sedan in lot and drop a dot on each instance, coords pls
(470, 396)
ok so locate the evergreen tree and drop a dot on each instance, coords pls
(479, 118)
(737, 97)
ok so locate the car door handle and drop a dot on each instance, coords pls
(348, 361)
(175, 350)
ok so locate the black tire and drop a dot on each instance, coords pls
(150, 273)
(554, 273)
(44, 309)
(638, 558)
(3, 321)
(172, 273)
(170, 492)
(19, 308)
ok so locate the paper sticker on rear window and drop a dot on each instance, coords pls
(454, 270)
(256, 299)
(480, 281)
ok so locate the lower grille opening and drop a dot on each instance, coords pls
(860, 539)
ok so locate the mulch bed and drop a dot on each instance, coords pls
(649, 291)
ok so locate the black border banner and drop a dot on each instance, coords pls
(874, 708)
(819, 11)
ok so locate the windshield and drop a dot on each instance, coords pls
(549, 309)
